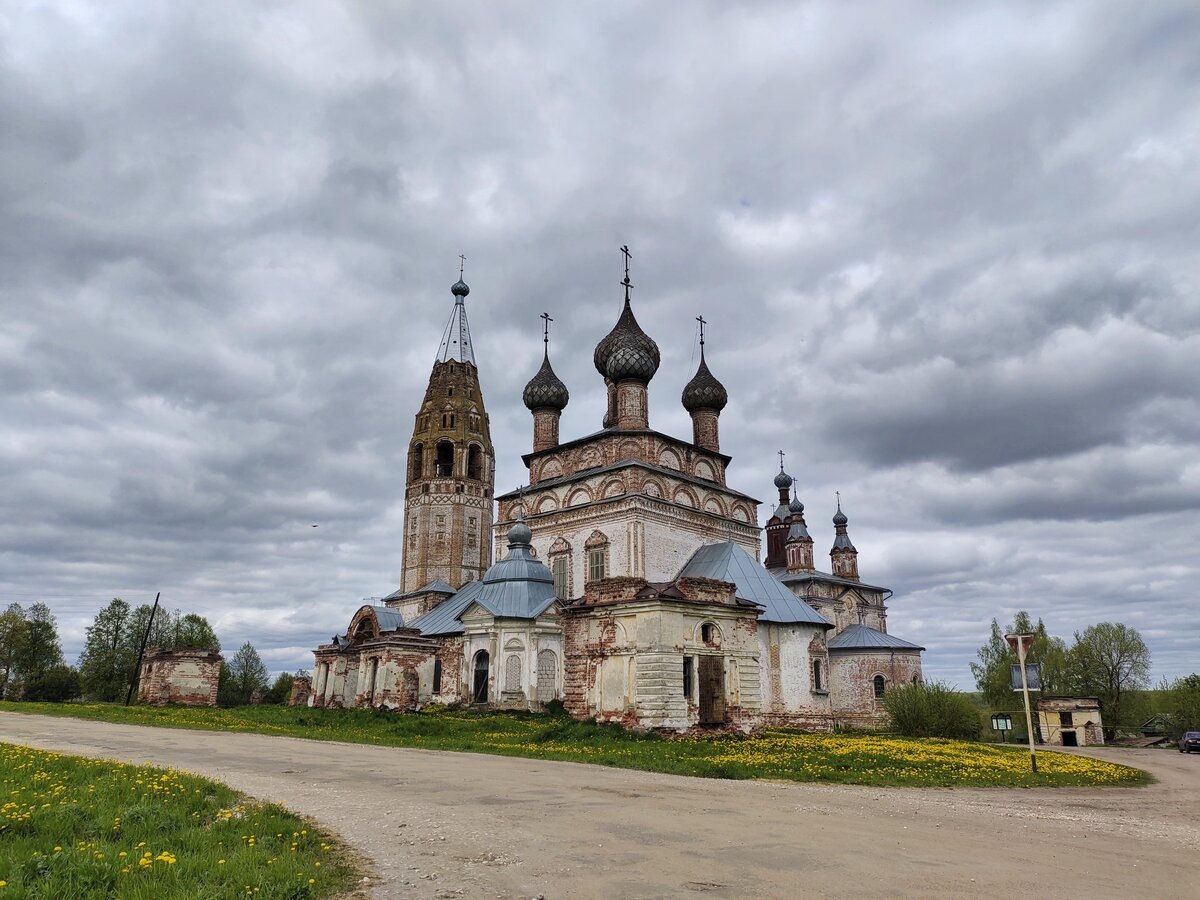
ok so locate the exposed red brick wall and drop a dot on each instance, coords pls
(186, 677)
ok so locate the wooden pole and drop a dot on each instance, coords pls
(1025, 694)
(142, 652)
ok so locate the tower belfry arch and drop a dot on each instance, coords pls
(451, 466)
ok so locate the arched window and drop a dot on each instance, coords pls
(559, 568)
(479, 686)
(547, 675)
(437, 676)
(474, 462)
(916, 679)
(445, 459)
(512, 673)
(418, 461)
(708, 632)
(880, 686)
(818, 681)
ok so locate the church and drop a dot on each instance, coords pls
(629, 581)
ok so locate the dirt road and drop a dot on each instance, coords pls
(447, 825)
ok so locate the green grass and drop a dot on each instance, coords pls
(76, 827)
(777, 754)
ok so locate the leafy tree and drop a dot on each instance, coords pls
(14, 632)
(162, 631)
(108, 653)
(1183, 705)
(41, 651)
(246, 674)
(993, 671)
(932, 710)
(281, 690)
(1108, 660)
(193, 631)
(55, 685)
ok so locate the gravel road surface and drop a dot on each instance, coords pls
(449, 825)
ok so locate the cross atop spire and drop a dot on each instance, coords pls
(838, 494)
(700, 319)
(780, 460)
(462, 262)
(546, 320)
(627, 283)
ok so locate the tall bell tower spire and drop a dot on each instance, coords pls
(451, 466)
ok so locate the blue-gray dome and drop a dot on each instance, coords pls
(460, 289)
(839, 517)
(704, 391)
(545, 390)
(627, 351)
(796, 508)
(519, 535)
(783, 480)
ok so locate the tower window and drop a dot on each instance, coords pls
(597, 564)
(560, 577)
(418, 461)
(880, 686)
(474, 461)
(445, 459)
(450, 391)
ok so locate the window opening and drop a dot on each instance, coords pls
(479, 692)
(708, 632)
(687, 677)
(818, 685)
(418, 461)
(512, 673)
(880, 686)
(445, 459)
(560, 578)
(437, 676)
(1065, 718)
(597, 564)
(474, 460)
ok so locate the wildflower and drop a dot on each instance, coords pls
(220, 862)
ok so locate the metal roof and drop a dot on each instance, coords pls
(729, 562)
(517, 587)
(456, 340)
(784, 576)
(861, 637)
(583, 474)
(388, 618)
(437, 586)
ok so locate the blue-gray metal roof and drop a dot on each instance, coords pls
(517, 587)
(862, 637)
(388, 618)
(729, 562)
(437, 586)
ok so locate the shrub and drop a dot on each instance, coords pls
(932, 710)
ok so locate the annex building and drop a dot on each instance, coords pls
(629, 579)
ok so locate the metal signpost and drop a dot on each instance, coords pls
(1020, 643)
(1002, 722)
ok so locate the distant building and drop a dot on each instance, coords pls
(628, 583)
(185, 676)
(1070, 721)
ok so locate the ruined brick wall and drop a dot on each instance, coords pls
(852, 683)
(187, 677)
(301, 690)
(791, 698)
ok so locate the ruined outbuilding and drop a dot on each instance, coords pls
(1070, 721)
(185, 676)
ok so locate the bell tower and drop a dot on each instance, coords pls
(451, 467)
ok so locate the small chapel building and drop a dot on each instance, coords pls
(629, 582)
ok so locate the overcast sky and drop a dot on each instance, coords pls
(948, 251)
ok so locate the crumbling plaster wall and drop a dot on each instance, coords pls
(852, 682)
(186, 677)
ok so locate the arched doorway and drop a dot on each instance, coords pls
(479, 685)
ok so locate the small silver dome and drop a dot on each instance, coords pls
(519, 535)
(783, 480)
(796, 507)
(460, 289)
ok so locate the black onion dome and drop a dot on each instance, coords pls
(545, 389)
(627, 351)
(839, 517)
(796, 507)
(783, 480)
(460, 289)
(704, 391)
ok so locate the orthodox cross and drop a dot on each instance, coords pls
(780, 460)
(546, 320)
(462, 262)
(839, 499)
(627, 283)
(700, 319)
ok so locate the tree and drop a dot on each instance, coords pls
(246, 674)
(1108, 660)
(932, 710)
(107, 661)
(42, 650)
(1183, 705)
(14, 632)
(281, 690)
(993, 671)
(194, 632)
(55, 685)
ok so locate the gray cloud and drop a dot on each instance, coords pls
(948, 254)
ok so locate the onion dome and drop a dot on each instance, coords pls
(839, 517)
(627, 351)
(545, 390)
(520, 534)
(459, 288)
(796, 508)
(704, 391)
(783, 479)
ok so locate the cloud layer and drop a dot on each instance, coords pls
(949, 255)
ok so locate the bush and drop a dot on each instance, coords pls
(55, 685)
(932, 710)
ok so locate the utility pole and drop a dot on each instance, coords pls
(142, 651)
(1019, 642)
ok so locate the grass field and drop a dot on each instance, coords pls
(76, 827)
(777, 754)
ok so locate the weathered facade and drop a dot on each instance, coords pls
(1070, 721)
(185, 676)
(627, 583)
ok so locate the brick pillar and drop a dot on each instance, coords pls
(704, 429)
(545, 428)
(633, 412)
